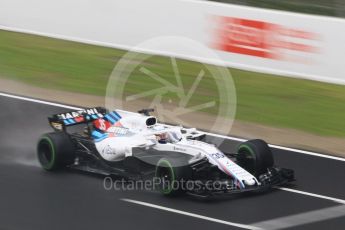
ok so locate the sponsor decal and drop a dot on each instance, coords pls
(179, 149)
(118, 130)
(263, 39)
(102, 124)
(79, 119)
(78, 114)
(217, 155)
(107, 150)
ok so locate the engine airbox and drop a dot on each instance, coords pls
(151, 121)
(138, 122)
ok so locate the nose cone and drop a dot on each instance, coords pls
(249, 182)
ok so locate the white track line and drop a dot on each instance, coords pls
(340, 201)
(39, 101)
(302, 218)
(243, 226)
(211, 134)
(278, 223)
(216, 135)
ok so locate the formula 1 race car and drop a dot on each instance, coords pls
(134, 146)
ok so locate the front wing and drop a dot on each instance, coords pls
(273, 177)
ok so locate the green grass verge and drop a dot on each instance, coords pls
(262, 98)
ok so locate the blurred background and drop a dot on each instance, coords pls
(287, 69)
(334, 8)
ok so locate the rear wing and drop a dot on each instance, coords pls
(60, 121)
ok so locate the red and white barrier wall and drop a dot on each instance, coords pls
(261, 40)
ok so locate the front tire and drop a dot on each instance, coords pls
(55, 151)
(255, 156)
(171, 175)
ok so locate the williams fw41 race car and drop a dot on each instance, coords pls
(134, 146)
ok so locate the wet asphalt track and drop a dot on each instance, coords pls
(31, 198)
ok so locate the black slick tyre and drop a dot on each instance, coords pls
(255, 156)
(55, 151)
(171, 176)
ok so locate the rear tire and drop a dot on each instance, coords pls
(171, 173)
(55, 151)
(255, 156)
